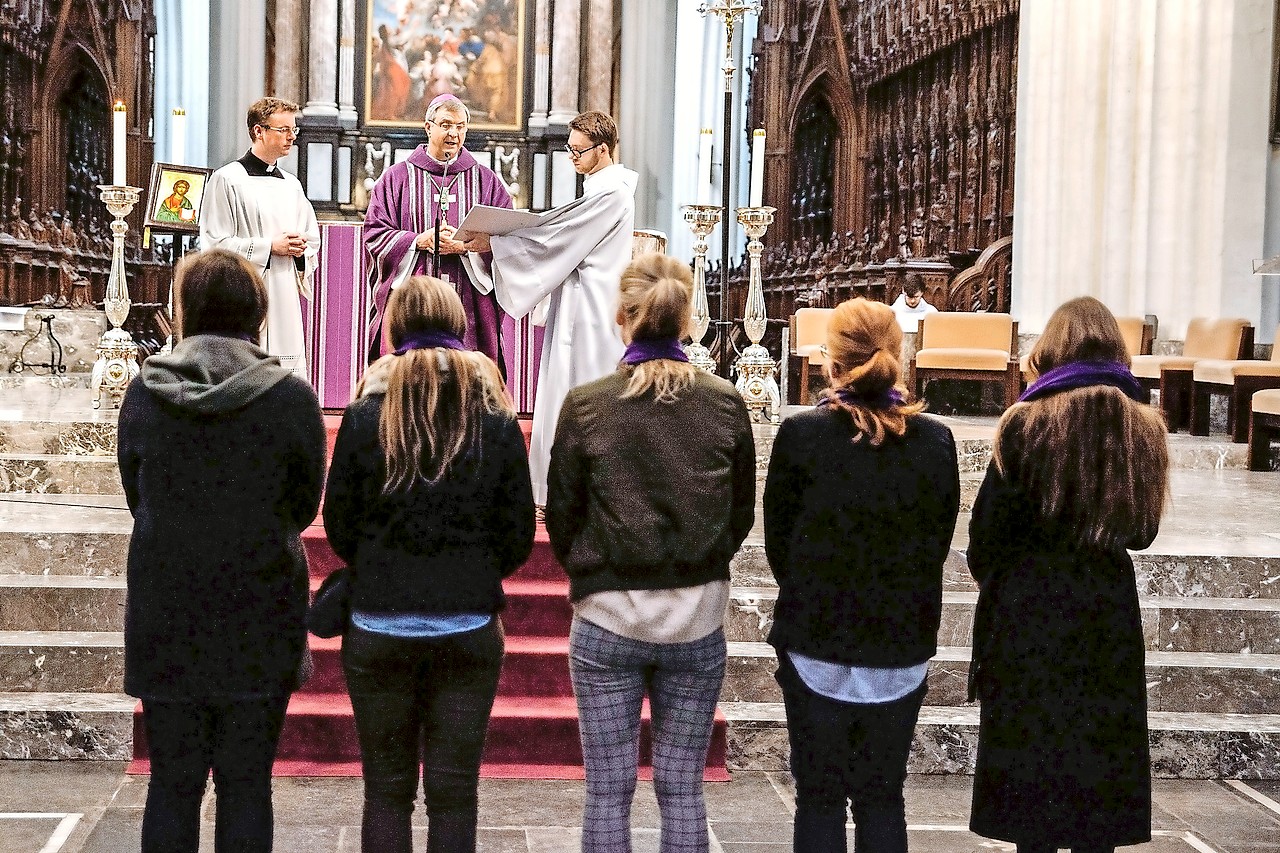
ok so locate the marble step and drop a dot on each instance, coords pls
(1183, 745)
(66, 475)
(99, 726)
(89, 662)
(1201, 682)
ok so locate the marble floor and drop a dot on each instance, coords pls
(91, 807)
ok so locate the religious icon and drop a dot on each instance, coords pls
(173, 202)
(416, 51)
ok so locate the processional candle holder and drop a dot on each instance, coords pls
(117, 361)
(756, 369)
(702, 218)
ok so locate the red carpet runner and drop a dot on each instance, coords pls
(533, 733)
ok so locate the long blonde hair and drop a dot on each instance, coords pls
(435, 398)
(864, 362)
(1090, 458)
(656, 302)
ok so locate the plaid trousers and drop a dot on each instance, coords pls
(611, 675)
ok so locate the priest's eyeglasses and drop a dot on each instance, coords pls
(286, 131)
(575, 153)
(449, 126)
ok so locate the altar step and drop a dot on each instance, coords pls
(537, 669)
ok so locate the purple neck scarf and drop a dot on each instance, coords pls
(886, 399)
(649, 349)
(1084, 374)
(430, 339)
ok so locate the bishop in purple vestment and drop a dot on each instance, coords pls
(439, 178)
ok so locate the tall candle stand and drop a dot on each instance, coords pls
(117, 361)
(702, 218)
(757, 382)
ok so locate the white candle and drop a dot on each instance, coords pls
(757, 168)
(178, 136)
(704, 165)
(120, 121)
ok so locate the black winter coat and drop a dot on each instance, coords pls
(857, 535)
(1058, 665)
(435, 548)
(217, 595)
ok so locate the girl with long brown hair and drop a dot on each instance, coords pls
(859, 510)
(1079, 478)
(430, 504)
(651, 491)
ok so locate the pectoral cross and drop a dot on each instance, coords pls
(444, 201)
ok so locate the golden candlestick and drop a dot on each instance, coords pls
(117, 361)
(702, 218)
(756, 369)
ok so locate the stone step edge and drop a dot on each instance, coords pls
(736, 650)
(105, 459)
(735, 712)
(761, 713)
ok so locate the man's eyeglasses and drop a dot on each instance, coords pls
(287, 131)
(450, 127)
(575, 153)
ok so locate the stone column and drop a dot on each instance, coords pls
(347, 64)
(598, 70)
(322, 79)
(1141, 157)
(237, 28)
(541, 63)
(649, 44)
(566, 71)
(289, 26)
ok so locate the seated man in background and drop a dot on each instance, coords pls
(910, 306)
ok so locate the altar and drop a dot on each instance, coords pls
(337, 323)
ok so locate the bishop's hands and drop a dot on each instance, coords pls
(479, 243)
(426, 241)
(289, 243)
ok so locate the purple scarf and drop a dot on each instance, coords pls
(1084, 374)
(650, 349)
(886, 399)
(430, 339)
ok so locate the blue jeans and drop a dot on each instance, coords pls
(842, 752)
(611, 675)
(237, 740)
(430, 697)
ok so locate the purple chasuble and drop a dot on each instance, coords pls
(403, 205)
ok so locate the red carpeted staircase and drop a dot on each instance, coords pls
(533, 732)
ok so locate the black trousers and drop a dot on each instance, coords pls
(842, 753)
(427, 697)
(237, 741)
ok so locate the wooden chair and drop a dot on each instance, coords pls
(1237, 378)
(973, 346)
(1264, 425)
(808, 348)
(1172, 374)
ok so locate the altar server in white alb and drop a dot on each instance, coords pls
(566, 270)
(256, 209)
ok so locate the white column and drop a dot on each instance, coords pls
(541, 63)
(1141, 157)
(322, 64)
(648, 84)
(288, 26)
(237, 48)
(566, 69)
(347, 63)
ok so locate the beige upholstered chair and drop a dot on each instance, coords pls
(1238, 378)
(808, 348)
(974, 346)
(1172, 374)
(1264, 424)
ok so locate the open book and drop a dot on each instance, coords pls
(485, 219)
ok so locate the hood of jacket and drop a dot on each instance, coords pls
(211, 374)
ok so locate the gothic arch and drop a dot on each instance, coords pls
(822, 84)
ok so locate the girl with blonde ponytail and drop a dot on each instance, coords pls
(859, 509)
(651, 491)
(429, 502)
